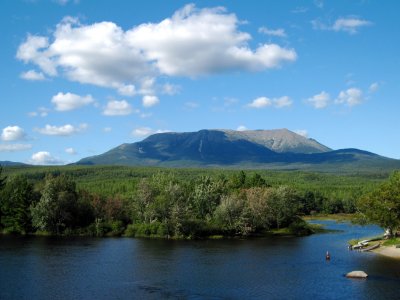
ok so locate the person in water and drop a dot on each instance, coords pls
(327, 256)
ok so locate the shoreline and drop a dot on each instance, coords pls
(389, 251)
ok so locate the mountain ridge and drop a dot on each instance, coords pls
(279, 148)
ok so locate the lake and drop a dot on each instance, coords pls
(262, 268)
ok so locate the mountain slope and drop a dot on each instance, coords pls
(280, 149)
(279, 140)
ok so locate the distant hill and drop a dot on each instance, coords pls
(274, 149)
(7, 163)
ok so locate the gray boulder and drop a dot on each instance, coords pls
(357, 274)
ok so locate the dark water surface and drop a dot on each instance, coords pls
(264, 268)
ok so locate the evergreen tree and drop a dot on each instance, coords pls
(16, 198)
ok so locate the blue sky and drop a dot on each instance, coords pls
(81, 77)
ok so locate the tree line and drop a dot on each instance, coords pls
(160, 205)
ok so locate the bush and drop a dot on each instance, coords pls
(300, 227)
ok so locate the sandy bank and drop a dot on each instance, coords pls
(390, 251)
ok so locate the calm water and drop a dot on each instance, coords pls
(268, 268)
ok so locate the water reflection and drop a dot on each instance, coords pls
(272, 268)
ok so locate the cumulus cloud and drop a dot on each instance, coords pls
(32, 75)
(117, 108)
(274, 32)
(320, 100)
(203, 41)
(192, 42)
(241, 128)
(14, 147)
(149, 101)
(65, 130)
(70, 151)
(146, 131)
(350, 97)
(282, 102)
(12, 133)
(262, 102)
(127, 90)
(302, 132)
(44, 158)
(69, 101)
(349, 24)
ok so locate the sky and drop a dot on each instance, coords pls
(79, 77)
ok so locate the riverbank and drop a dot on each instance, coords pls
(387, 247)
(390, 251)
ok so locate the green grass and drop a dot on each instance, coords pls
(392, 242)
(335, 217)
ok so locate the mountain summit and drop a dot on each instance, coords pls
(281, 149)
(278, 140)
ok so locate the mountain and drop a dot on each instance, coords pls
(279, 149)
(11, 163)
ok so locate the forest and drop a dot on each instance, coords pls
(171, 203)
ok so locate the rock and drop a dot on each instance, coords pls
(357, 274)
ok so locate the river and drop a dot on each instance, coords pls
(262, 268)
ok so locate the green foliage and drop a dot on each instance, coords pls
(58, 206)
(382, 206)
(16, 198)
(183, 203)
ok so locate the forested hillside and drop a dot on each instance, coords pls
(179, 203)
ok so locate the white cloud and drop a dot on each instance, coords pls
(32, 75)
(350, 97)
(302, 132)
(70, 151)
(69, 101)
(117, 108)
(274, 32)
(44, 158)
(35, 50)
(320, 100)
(192, 42)
(374, 87)
(14, 147)
(107, 129)
(260, 102)
(204, 41)
(149, 101)
(241, 128)
(12, 133)
(282, 102)
(127, 90)
(65, 130)
(146, 131)
(42, 112)
(349, 24)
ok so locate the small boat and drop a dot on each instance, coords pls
(371, 247)
(327, 256)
